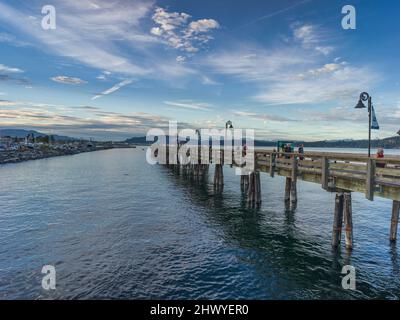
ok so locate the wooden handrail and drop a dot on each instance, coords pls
(333, 155)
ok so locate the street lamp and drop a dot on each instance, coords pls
(364, 96)
(228, 125)
(198, 146)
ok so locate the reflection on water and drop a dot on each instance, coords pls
(116, 227)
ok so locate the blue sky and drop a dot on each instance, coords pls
(111, 70)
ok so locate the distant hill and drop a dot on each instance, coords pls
(387, 143)
(21, 133)
(138, 140)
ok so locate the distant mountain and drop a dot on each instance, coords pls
(387, 143)
(21, 133)
(138, 140)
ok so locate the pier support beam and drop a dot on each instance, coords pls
(244, 183)
(337, 220)
(395, 220)
(348, 219)
(291, 187)
(218, 176)
(293, 193)
(204, 170)
(288, 187)
(254, 189)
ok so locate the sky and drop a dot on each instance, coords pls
(115, 69)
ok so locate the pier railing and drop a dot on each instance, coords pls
(350, 172)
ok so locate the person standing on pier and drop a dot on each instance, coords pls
(380, 155)
(301, 152)
(287, 149)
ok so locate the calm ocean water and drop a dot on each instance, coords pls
(115, 227)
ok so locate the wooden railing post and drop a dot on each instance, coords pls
(272, 164)
(370, 181)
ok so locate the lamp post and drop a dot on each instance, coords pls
(228, 125)
(364, 96)
(198, 146)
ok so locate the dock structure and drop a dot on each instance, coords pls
(339, 173)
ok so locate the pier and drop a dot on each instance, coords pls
(339, 173)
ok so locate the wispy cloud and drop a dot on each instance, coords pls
(208, 81)
(113, 89)
(68, 80)
(6, 103)
(87, 108)
(335, 84)
(6, 69)
(312, 37)
(11, 39)
(290, 75)
(12, 74)
(175, 29)
(98, 33)
(262, 116)
(325, 69)
(85, 32)
(275, 13)
(189, 105)
(101, 124)
(256, 64)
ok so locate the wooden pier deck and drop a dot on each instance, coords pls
(350, 172)
(341, 173)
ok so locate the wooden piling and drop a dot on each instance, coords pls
(293, 187)
(250, 190)
(348, 219)
(218, 175)
(254, 189)
(244, 183)
(288, 187)
(395, 220)
(167, 155)
(337, 220)
(258, 187)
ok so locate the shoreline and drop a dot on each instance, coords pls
(18, 156)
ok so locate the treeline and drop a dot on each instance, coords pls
(387, 143)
